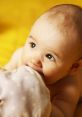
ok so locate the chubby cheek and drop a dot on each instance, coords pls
(49, 72)
(53, 73)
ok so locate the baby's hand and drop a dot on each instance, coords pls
(23, 94)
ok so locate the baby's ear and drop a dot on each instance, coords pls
(75, 67)
(80, 62)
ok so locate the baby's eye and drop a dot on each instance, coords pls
(50, 57)
(1, 102)
(32, 44)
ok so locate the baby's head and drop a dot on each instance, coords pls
(54, 45)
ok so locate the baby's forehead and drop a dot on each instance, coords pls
(65, 15)
(60, 25)
(66, 18)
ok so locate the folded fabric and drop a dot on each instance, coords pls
(23, 94)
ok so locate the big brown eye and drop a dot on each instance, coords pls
(50, 57)
(33, 45)
(1, 102)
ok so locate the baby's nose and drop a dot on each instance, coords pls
(37, 62)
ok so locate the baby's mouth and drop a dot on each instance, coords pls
(36, 68)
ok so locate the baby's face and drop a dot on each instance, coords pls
(47, 52)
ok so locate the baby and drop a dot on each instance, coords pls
(23, 94)
(54, 50)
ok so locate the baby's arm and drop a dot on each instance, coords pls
(15, 59)
(65, 99)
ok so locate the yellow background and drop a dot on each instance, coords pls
(16, 19)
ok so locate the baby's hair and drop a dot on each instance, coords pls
(67, 14)
(65, 8)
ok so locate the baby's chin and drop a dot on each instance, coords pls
(49, 81)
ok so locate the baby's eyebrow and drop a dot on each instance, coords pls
(55, 53)
(30, 36)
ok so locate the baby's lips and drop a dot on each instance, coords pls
(35, 67)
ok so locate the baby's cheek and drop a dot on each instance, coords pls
(50, 75)
(48, 70)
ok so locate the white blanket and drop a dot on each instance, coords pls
(23, 94)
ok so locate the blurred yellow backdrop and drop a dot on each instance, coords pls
(16, 19)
